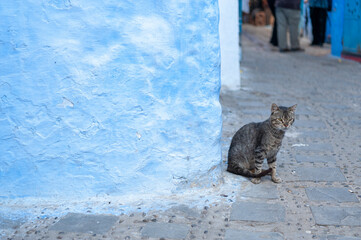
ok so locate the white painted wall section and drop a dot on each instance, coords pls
(230, 49)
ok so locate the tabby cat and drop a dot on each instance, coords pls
(256, 141)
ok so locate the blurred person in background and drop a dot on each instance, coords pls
(318, 15)
(273, 40)
(288, 15)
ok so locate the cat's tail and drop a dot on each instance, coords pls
(247, 173)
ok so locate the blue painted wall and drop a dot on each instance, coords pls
(107, 97)
(352, 27)
(337, 21)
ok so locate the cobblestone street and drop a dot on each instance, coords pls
(320, 157)
(319, 163)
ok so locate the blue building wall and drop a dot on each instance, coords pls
(345, 34)
(352, 27)
(107, 97)
(337, 27)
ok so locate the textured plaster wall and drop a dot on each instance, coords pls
(107, 97)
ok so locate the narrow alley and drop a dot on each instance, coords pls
(319, 162)
(320, 158)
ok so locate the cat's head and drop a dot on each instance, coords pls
(282, 118)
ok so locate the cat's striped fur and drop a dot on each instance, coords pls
(256, 141)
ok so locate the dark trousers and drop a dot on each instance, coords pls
(318, 20)
(274, 40)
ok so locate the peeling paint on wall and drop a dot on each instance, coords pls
(107, 97)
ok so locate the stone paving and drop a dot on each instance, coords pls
(319, 162)
(84, 223)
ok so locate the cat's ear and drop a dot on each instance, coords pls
(274, 108)
(293, 108)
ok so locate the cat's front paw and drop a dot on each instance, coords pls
(276, 179)
(256, 180)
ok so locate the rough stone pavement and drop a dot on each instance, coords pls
(319, 162)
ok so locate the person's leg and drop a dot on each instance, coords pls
(281, 28)
(294, 20)
(314, 22)
(322, 27)
(318, 27)
(273, 40)
(271, 4)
